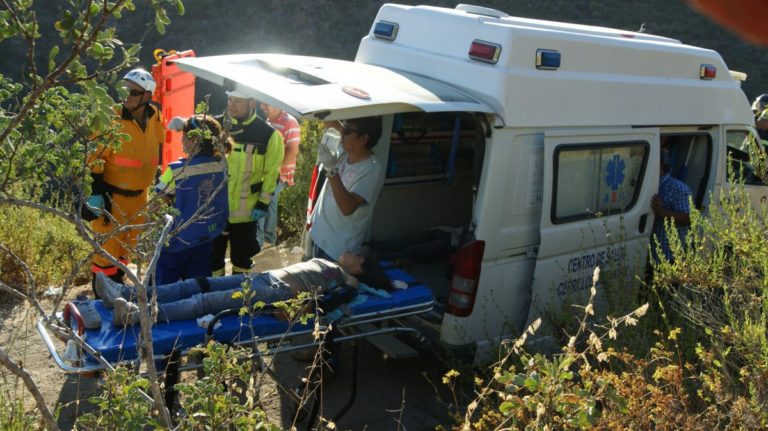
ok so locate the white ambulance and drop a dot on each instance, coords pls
(539, 140)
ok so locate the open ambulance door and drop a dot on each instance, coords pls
(740, 167)
(317, 88)
(596, 212)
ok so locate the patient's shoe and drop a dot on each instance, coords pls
(91, 317)
(126, 313)
(107, 289)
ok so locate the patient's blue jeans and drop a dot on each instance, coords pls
(186, 299)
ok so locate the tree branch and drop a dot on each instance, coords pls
(50, 80)
(147, 321)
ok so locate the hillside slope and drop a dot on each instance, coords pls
(334, 28)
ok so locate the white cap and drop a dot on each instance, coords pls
(235, 93)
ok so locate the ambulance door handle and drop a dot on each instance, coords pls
(643, 222)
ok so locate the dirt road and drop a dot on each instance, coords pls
(390, 394)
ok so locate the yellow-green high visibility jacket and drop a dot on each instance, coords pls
(253, 166)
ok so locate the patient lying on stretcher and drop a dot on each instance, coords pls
(192, 298)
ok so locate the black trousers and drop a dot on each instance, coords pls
(243, 246)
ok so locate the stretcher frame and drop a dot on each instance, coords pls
(348, 326)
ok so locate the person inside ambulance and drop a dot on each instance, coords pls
(673, 201)
(759, 107)
(253, 168)
(345, 206)
(121, 177)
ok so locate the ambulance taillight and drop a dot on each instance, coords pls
(315, 184)
(466, 275)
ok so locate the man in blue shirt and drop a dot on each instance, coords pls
(672, 202)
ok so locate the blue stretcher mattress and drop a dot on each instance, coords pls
(118, 344)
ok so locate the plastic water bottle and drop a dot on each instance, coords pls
(331, 140)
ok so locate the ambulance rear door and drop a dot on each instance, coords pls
(318, 88)
(596, 211)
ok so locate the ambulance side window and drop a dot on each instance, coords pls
(738, 163)
(597, 180)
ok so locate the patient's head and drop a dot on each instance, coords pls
(366, 268)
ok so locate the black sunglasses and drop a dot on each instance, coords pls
(135, 93)
(348, 131)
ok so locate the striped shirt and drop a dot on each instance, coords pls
(289, 128)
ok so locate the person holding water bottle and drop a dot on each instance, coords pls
(349, 194)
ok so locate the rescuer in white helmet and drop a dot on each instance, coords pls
(121, 177)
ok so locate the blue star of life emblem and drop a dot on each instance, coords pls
(615, 172)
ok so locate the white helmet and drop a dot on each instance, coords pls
(142, 78)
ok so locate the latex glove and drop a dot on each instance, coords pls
(260, 211)
(95, 204)
(177, 124)
(329, 160)
(258, 214)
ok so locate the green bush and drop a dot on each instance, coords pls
(49, 245)
(226, 397)
(13, 416)
(698, 360)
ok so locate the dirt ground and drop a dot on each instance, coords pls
(390, 394)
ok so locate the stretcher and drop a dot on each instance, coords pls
(109, 345)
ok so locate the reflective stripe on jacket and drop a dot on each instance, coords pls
(133, 165)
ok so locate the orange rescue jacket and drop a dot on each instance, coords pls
(134, 165)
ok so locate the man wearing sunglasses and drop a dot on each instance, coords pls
(121, 176)
(345, 206)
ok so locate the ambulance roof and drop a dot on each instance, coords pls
(605, 76)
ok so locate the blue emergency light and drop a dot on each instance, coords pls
(547, 59)
(385, 30)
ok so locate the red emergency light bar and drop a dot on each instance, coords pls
(487, 52)
(707, 72)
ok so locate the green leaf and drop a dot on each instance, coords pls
(506, 408)
(52, 57)
(531, 383)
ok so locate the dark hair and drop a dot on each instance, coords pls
(373, 275)
(370, 126)
(212, 145)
